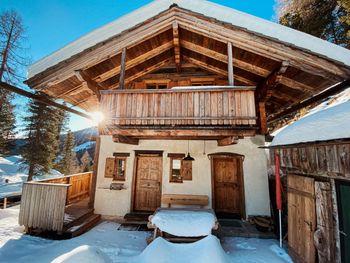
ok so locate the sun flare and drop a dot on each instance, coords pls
(97, 117)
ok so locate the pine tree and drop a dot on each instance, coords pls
(11, 66)
(7, 124)
(43, 127)
(68, 163)
(321, 18)
(345, 17)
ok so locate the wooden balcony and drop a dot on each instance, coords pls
(135, 113)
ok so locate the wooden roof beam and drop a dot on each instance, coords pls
(176, 41)
(216, 70)
(135, 61)
(265, 88)
(277, 51)
(89, 83)
(143, 72)
(319, 97)
(43, 99)
(223, 58)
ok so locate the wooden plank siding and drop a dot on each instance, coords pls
(43, 202)
(43, 205)
(318, 159)
(217, 106)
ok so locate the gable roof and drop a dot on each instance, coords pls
(328, 124)
(225, 14)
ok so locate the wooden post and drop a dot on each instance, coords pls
(5, 202)
(324, 235)
(335, 223)
(230, 64)
(95, 171)
(122, 69)
(262, 117)
(176, 42)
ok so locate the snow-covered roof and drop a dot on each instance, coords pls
(328, 124)
(209, 9)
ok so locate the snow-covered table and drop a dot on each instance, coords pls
(183, 223)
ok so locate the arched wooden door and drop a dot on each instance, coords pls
(227, 185)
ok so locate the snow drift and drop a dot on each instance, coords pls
(86, 254)
(207, 249)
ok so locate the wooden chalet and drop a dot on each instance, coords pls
(179, 77)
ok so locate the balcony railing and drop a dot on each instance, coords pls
(190, 106)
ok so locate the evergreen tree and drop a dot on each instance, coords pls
(68, 163)
(7, 124)
(11, 66)
(43, 127)
(322, 18)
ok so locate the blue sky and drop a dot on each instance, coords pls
(51, 24)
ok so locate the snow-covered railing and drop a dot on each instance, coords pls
(43, 205)
(79, 185)
(189, 106)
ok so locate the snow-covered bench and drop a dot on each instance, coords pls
(183, 224)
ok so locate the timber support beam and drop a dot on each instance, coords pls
(176, 41)
(228, 141)
(264, 89)
(122, 69)
(230, 64)
(89, 83)
(125, 139)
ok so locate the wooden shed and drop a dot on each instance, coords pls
(315, 155)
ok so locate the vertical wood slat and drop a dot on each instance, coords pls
(42, 205)
(181, 107)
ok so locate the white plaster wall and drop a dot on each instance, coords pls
(118, 202)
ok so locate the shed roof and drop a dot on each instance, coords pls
(328, 124)
(209, 9)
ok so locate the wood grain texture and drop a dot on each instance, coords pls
(180, 107)
(301, 218)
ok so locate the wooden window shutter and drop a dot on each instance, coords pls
(186, 170)
(110, 167)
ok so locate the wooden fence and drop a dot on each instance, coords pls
(79, 185)
(43, 205)
(43, 202)
(216, 106)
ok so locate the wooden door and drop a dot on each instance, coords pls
(147, 192)
(228, 197)
(301, 218)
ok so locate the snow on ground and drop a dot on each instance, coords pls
(184, 223)
(105, 243)
(327, 124)
(207, 249)
(16, 174)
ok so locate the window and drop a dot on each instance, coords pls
(156, 86)
(175, 170)
(119, 171)
(116, 166)
(180, 170)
